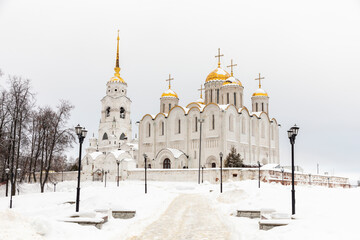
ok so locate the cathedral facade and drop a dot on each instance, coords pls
(186, 136)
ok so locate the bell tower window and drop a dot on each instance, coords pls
(122, 112)
(107, 113)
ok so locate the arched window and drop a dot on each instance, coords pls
(213, 165)
(179, 126)
(196, 124)
(148, 130)
(167, 164)
(107, 112)
(169, 106)
(122, 112)
(122, 136)
(231, 123)
(213, 122)
(162, 128)
(105, 136)
(211, 97)
(262, 106)
(227, 98)
(256, 107)
(234, 98)
(217, 95)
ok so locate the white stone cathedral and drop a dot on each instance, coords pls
(172, 138)
(115, 131)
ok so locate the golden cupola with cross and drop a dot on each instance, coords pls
(116, 77)
(218, 73)
(260, 98)
(169, 98)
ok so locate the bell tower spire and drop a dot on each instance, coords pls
(117, 67)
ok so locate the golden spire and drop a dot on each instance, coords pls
(201, 89)
(169, 79)
(117, 67)
(218, 56)
(231, 66)
(259, 79)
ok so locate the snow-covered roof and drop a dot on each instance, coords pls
(177, 153)
(95, 154)
(270, 166)
(117, 153)
(135, 146)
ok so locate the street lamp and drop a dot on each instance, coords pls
(118, 163)
(259, 165)
(221, 156)
(292, 133)
(282, 176)
(106, 172)
(309, 178)
(145, 157)
(7, 171)
(81, 133)
(54, 186)
(201, 120)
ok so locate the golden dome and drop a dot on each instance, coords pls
(260, 92)
(169, 93)
(232, 80)
(218, 74)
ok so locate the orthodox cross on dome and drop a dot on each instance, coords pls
(231, 66)
(219, 56)
(259, 79)
(201, 89)
(117, 65)
(169, 79)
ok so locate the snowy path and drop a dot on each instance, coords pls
(189, 216)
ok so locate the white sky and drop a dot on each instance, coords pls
(308, 52)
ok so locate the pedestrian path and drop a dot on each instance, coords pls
(189, 216)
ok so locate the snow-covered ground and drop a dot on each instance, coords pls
(178, 210)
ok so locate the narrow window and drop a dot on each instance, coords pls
(217, 96)
(211, 99)
(227, 98)
(122, 112)
(256, 107)
(169, 106)
(262, 106)
(149, 130)
(235, 99)
(162, 128)
(179, 129)
(163, 107)
(196, 125)
(213, 122)
(107, 114)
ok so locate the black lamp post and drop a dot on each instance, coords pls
(118, 163)
(282, 176)
(309, 178)
(201, 120)
(292, 133)
(328, 182)
(55, 186)
(259, 165)
(105, 177)
(7, 171)
(145, 157)
(221, 156)
(81, 133)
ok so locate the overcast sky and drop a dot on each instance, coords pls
(308, 51)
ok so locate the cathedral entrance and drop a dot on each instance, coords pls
(98, 175)
(167, 164)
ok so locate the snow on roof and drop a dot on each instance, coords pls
(223, 107)
(135, 146)
(270, 166)
(95, 154)
(177, 153)
(256, 114)
(117, 153)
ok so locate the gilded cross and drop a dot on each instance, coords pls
(169, 79)
(259, 79)
(219, 56)
(201, 89)
(231, 66)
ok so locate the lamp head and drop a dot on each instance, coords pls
(295, 130)
(19, 171)
(221, 154)
(78, 130)
(117, 162)
(83, 132)
(7, 170)
(145, 156)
